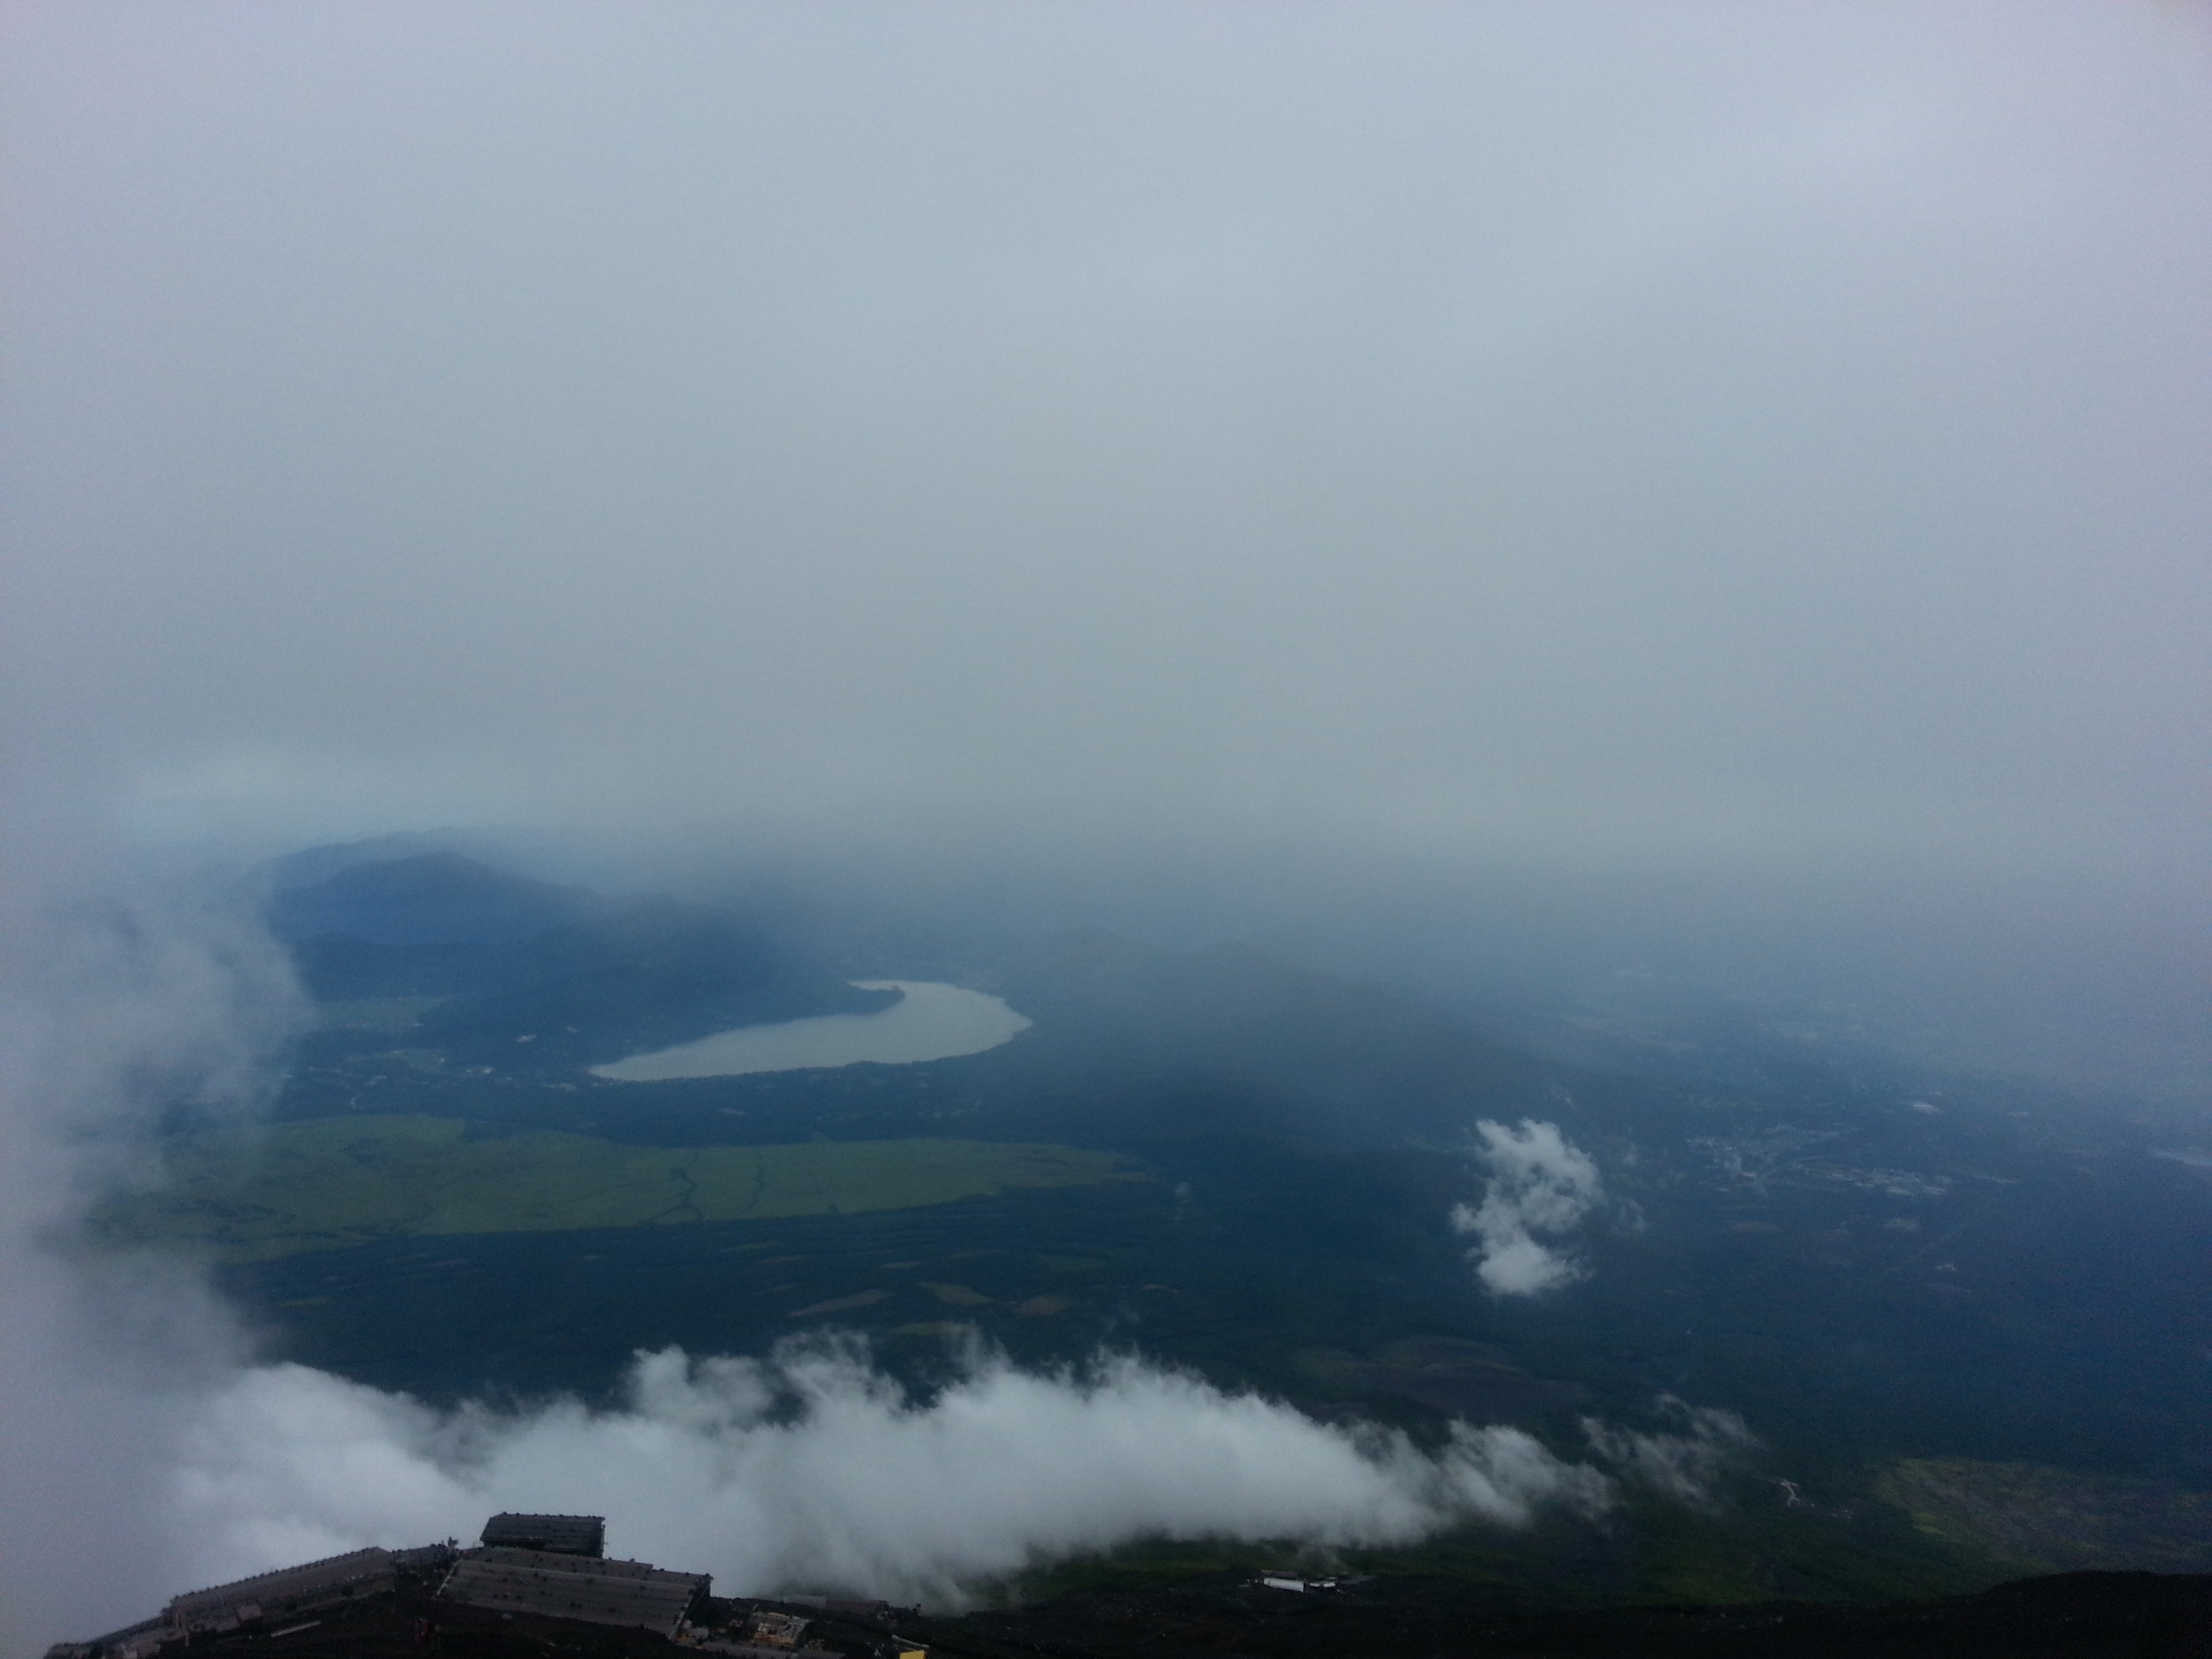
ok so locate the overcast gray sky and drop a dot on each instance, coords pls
(1577, 431)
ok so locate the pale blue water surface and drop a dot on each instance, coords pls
(929, 1021)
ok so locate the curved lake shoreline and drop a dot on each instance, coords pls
(930, 1021)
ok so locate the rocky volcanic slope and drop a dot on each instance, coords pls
(2084, 1615)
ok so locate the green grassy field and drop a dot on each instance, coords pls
(331, 1184)
(2037, 1519)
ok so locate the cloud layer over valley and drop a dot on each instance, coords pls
(810, 1471)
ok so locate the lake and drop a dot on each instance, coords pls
(928, 1022)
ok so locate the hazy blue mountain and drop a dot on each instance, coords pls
(506, 959)
(638, 977)
(424, 898)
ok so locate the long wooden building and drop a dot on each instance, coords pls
(598, 1592)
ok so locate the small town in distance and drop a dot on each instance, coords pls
(526, 1570)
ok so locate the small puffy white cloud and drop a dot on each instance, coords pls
(813, 1469)
(1540, 1184)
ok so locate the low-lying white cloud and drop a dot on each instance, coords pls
(811, 1470)
(116, 1013)
(1540, 1184)
(1682, 1462)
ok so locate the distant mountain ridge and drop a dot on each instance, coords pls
(508, 960)
(426, 898)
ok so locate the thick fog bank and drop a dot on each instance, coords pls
(126, 1004)
(2088, 982)
(1565, 434)
(1491, 493)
